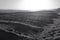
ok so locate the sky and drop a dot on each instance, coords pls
(32, 5)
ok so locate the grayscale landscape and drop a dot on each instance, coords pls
(28, 25)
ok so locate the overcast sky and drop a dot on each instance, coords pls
(32, 5)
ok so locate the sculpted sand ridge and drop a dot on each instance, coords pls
(30, 25)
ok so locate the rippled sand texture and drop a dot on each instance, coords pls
(35, 19)
(27, 24)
